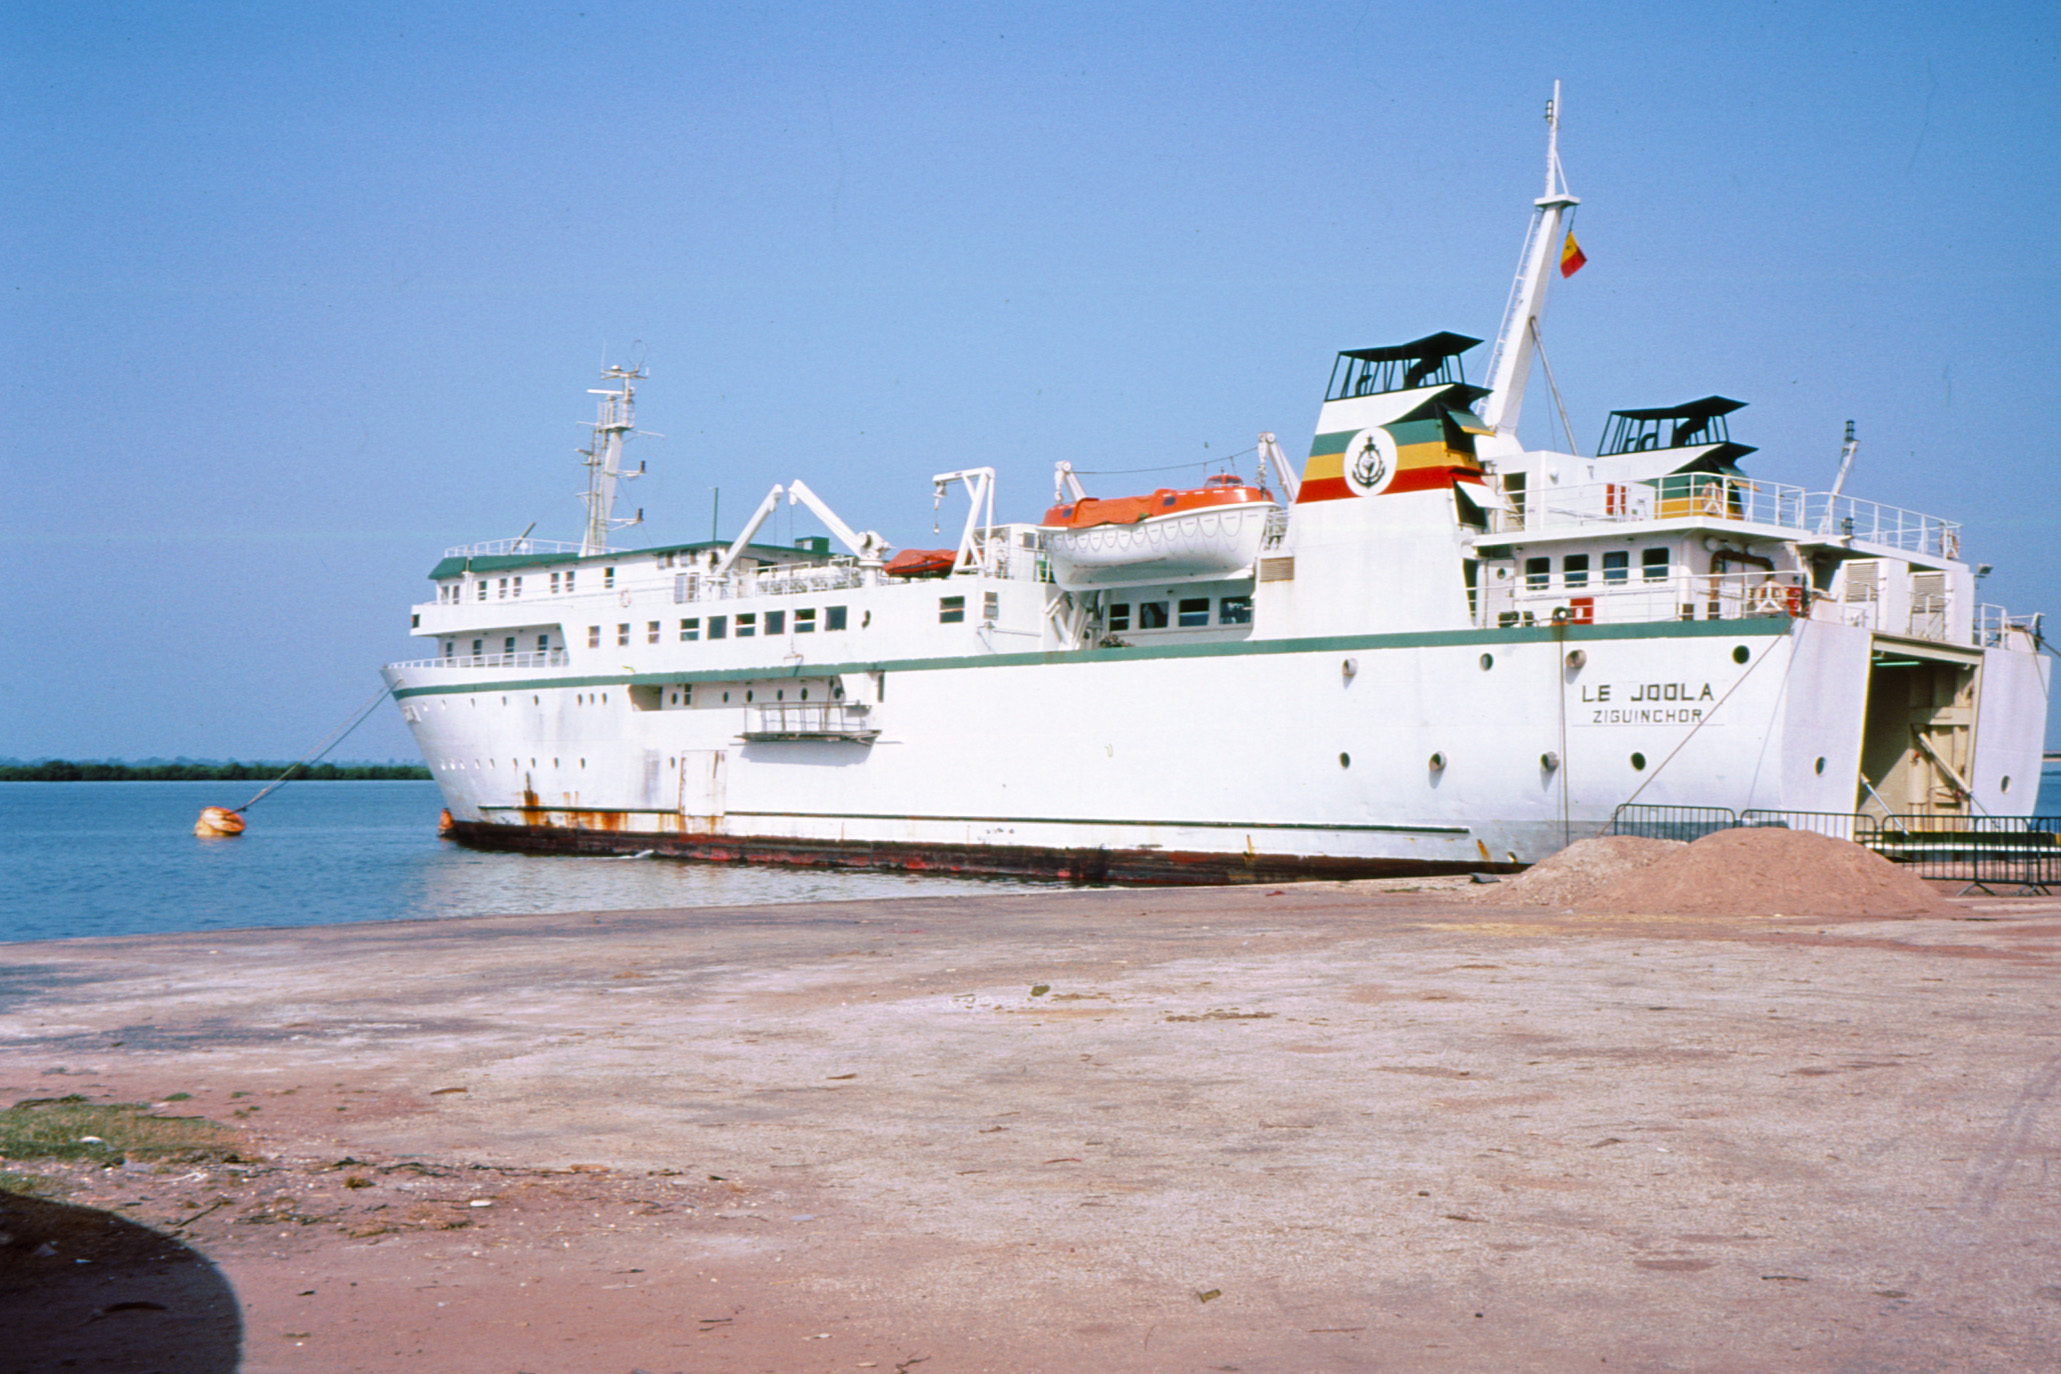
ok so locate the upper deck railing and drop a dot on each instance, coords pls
(1708, 496)
(517, 547)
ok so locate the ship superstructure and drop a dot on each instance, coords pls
(1431, 649)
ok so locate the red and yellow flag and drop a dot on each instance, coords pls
(1571, 256)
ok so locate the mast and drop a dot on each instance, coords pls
(1517, 339)
(616, 422)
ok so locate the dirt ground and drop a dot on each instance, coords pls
(1327, 1127)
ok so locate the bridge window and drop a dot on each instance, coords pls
(1617, 566)
(1234, 610)
(1152, 615)
(1194, 611)
(1120, 617)
(1653, 564)
(1574, 570)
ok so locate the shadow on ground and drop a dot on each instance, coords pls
(84, 1289)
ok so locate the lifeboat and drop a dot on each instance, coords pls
(1213, 530)
(922, 563)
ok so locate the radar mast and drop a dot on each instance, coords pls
(616, 422)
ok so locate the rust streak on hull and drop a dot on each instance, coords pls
(1145, 867)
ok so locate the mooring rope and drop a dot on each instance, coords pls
(329, 742)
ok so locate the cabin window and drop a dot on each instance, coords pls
(951, 610)
(1617, 566)
(501, 592)
(833, 618)
(608, 577)
(1538, 574)
(1120, 617)
(508, 646)
(1235, 610)
(482, 585)
(1152, 615)
(718, 626)
(479, 646)
(450, 648)
(554, 584)
(622, 635)
(568, 581)
(515, 587)
(1194, 610)
(1574, 570)
(991, 606)
(1653, 564)
(805, 621)
(651, 632)
(690, 629)
(747, 625)
(543, 644)
(593, 636)
(776, 622)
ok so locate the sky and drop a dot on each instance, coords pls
(302, 295)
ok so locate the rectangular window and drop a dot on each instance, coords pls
(776, 622)
(622, 634)
(1653, 564)
(479, 646)
(1538, 574)
(1617, 566)
(482, 584)
(508, 646)
(543, 644)
(747, 625)
(568, 582)
(1120, 617)
(1574, 570)
(1235, 610)
(608, 577)
(951, 610)
(691, 629)
(833, 618)
(651, 632)
(516, 589)
(593, 636)
(991, 606)
(805, 621)
(1152, 615)
(501, 592)
(554, 584)
(718, 626)
(1194, 610)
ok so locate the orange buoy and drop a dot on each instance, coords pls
(445, 825)
(217, 823)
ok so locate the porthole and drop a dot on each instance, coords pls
(1740, 654)
(1345, 760)
(1549, 761)
(1438, 763)
(1488, 661)
(1577, 659)
(1639, 762)
(748, 696)
(1819, 766)
(2003, 786)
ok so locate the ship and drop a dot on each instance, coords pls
(1424, 649)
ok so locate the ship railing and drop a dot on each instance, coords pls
(809, 720)
(1710, 496)
(1603, 597)
(1277, 528)
(1997, 628)
(520, 547)
(544, 658)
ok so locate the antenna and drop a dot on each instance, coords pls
(615, 423)
(1517, 340)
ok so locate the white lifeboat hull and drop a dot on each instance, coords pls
(1215, 542)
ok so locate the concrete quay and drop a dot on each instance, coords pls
(1321, 1127)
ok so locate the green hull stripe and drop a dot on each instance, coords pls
(1425, 639)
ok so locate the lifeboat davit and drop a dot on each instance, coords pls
(1214, 530)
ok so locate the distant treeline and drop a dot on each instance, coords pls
(64, 770)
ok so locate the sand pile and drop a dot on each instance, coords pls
(1750, 872)
(1766, 872)
(1579, 871)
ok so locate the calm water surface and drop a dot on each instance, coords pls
(120, 858)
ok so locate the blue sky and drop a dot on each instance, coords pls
(303, 294)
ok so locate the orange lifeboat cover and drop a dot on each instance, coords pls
(922, 563)
(1222, 490)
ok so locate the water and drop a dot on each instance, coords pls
(120, 858)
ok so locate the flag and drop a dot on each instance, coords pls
(1571, 256)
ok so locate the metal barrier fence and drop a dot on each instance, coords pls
(1986, 852)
